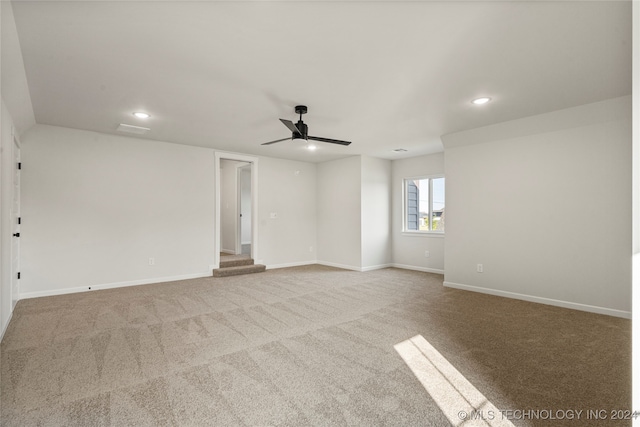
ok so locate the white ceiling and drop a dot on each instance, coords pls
(384, 75)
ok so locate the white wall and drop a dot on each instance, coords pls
(288, 189)
(354, 197)
(409, 248)
(96, 207)
(15, 90)
(375, 212)
(544, 204)
(339, 213)
(17, 112)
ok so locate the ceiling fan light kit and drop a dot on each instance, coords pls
(300, 130)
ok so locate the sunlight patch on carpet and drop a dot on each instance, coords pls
(459, 400)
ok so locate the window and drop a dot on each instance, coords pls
(424, 204)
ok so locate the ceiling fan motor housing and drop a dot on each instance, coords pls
(303, 130)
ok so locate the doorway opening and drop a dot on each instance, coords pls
(236, 206)
(243, 237)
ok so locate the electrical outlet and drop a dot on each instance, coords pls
(427, 254)
(310, 248)
(480, 268)
(152, 261)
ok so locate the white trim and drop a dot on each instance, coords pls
(428, 176)
(416, 268)
(635, 210)
(438, 234)
(15, 245)
(6, 326)
(354, 268)
(542, 300)
(290, 264)
(360, 269)
(228, 251)
(236, 219)
(376, 267)
(343, 266)
(38, 294)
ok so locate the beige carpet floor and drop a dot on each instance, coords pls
(299, 346)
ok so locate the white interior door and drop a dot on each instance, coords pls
(229, 207)
(244, 207)
(15, 218)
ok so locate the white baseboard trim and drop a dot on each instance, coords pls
(343, 266)
(228, 251)
(354, 268)
(150, 281)
(376, 267)
(290, 264)
(4, 329)
(542, 300)
(416, 268)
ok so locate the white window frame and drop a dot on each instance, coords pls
(405, 229)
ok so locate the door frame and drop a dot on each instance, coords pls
(15, 225)
(253, 161)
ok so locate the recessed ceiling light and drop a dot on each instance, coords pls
(481, 101)
(311, 147)
(141, 115)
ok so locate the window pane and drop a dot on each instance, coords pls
(437, 218)
(412, 204)
(423, 203)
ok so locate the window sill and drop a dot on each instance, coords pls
(423, 234)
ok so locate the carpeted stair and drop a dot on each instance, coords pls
(236, 265)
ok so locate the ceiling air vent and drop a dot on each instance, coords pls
(138, 130)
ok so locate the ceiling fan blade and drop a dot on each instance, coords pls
(291, 126)
(332, 141)
(277, 140)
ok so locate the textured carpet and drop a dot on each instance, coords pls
(234, 265)
(299, 346)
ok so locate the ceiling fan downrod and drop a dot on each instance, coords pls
(302, 128)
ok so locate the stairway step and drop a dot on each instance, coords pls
(237, 270)
(235, 262)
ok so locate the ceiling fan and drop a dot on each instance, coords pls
(299, 130)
